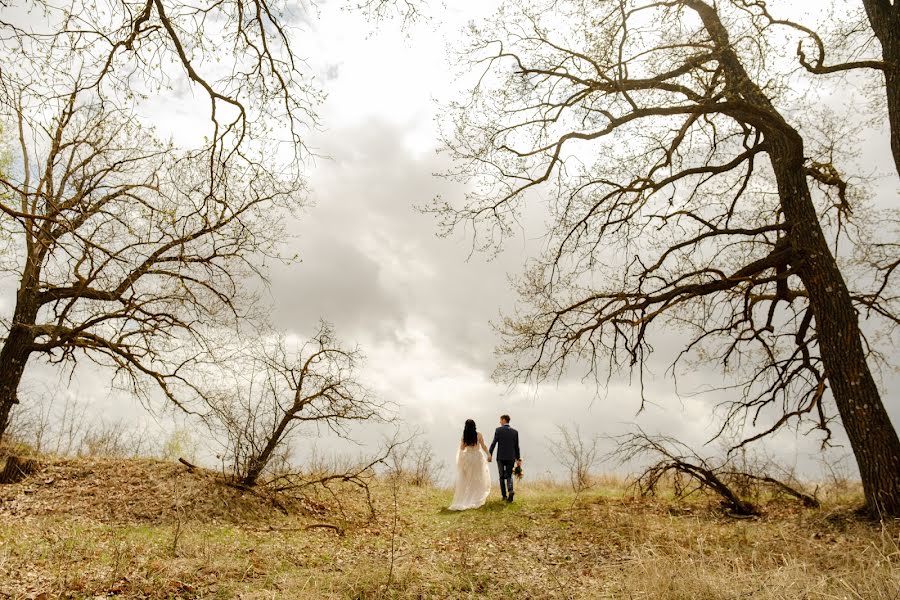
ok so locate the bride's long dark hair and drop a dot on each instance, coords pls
(470, 436)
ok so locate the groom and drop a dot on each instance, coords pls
(507, 441)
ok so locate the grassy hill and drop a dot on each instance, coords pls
(88, 528)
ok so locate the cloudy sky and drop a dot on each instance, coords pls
(421, 306)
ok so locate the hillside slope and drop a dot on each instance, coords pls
(109, 490)
(149, 529)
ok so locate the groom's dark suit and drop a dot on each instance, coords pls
(506, 439)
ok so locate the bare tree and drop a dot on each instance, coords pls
(679, 460)
(408, 11)
(577, 455)
(424, 468)
(114, 439)
(280, 389)
(334, 475)
(679, 195)
(127, 253)
(136, 214)
(414, 463)
(61, 424)
(179, 445)
(691, 473)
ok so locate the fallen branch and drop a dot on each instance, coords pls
(807, 500)
(679, 459)
(707, 478)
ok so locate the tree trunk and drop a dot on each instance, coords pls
(13, 357)
(872, 436)
(15, 352)
(892, 82)
(262, 459)
(885, 21)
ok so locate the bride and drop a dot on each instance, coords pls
(473, 482)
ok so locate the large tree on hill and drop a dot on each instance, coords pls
(266, 390)
(122, 249)
(680, 197)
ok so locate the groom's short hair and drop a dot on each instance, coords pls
(504, 418)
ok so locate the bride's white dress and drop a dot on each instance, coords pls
(473, 480)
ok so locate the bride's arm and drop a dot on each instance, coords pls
(481, 442)
(462, 445)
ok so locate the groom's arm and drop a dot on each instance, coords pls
(493, 444)
(518, 457)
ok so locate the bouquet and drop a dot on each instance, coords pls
(518, 472)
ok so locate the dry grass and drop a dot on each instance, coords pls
(132, 491)
(137, 534)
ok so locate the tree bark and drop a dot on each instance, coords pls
(872, 436)
(885, 21)
(13, 357)
(892, 82)
(262, 459)
(15, 352)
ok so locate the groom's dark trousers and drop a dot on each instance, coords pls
(506, 480)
